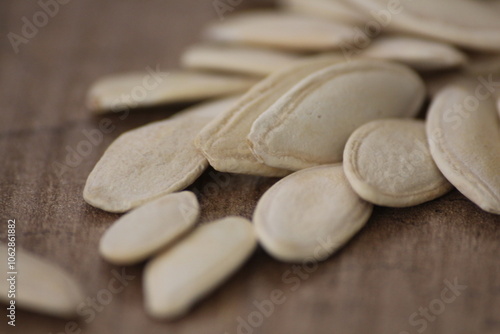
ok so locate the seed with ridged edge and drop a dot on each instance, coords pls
(464, 138)
(388, 163)
(310, 124)
(308, 215)
(224, 140)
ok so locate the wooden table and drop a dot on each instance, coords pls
(383, 281)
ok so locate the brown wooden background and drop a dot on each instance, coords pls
(396, 265)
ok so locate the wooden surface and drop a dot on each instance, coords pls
(397, 265)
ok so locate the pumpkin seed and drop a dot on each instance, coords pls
(42, 286)
(134, 90)
(145, 230)
(240, 60)
(308, 215)
(338, 10)
(464, 138)
(388, 163)
(179, 277)
(282, 31)
(418, 53)
(154, 160)
(145, 164)
(224, 140)
(311, 123)
(466, 23)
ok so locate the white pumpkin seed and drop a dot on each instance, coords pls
(281, 30)
(144, 231)
(308, 215)
(338, 10)
(153, 160)
(311, 123)
(388, 163)
(41, 286)
(418, 53)
(242, 60)
(133, 90)
(464, 138)
(146, 163)
(470, 24)
(224, 140)
(182, 275)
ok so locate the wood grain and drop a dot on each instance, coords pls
(398, 264)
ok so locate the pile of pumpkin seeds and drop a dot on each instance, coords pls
(329, 95)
